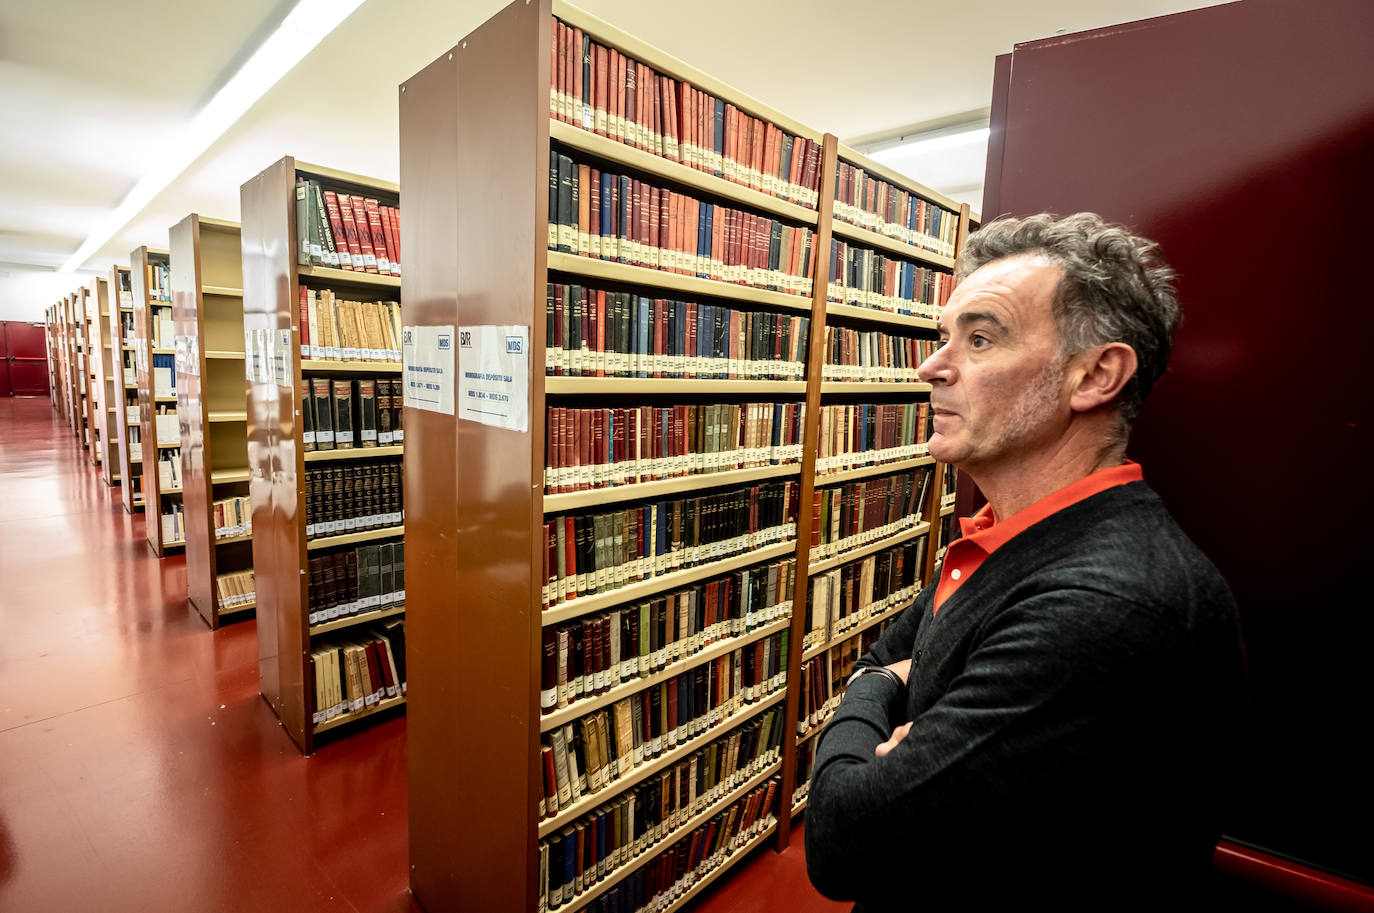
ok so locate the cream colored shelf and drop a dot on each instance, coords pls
(213, 354)
(223, 291)
(816, 730)
(158, 351)
(348, 277)
(373, 367)
(359, 619)
(354, 453)
(684, 749)
(674, 282)
(864, 472)
(702, 482)
(799, 807)
(581, 708)
(654, 585)
(859, 628)
(890, 245)
(245, 537)
(820, 567)
(227, 416)
(589, 386)
(176, 544)
(348, 177)
(946, 511)
(164, 399)
(872, 315)
(225, 476)
(169, 491)
(169, 446)
(657, 165)
(367, 535)
(871, 388)
(234, 610)
(344, 719)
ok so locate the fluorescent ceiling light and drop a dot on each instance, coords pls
(919, 145)
(303, 28)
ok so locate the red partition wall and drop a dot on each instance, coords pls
(23, 359)
(1242, 138)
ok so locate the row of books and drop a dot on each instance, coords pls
(873, 355)
(852, 435)
(164, 375)
(612, 742)
(846, 596)
(161, 326)
(344, 231)
(620, 218)
(165, 423)
(343, 330)
(233, 516)
(235, 590)
(357, 672)
(602, 842)
(591, 655)
(821, 679)
(881, 206)
(870, 279)
(343, 413)
(586, 554)
(601, 90)
(948, 485)
(365, 495)
(159, 282)
(851, 515)
(126, 327)
(135, 433)
(169, 469)
(600, 448)
(174, 524)
(354, 581)
(594, 332)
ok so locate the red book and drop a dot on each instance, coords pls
(364, 234)
(660, 323)
(565, 66)
(599, 91)
(655, 222)
(550, 781)
(569, 558)
(619, 95)
(643, 216)
(594, 216)
(668, 116)
(395, 216)
(305, 320)
(631, 104)
(553, 69)
(584, 202)
(577, 87)
(374, 223)
(393, 247)
(336, 225)
(351, 234)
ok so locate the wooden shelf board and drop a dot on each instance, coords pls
(169, 491)
(863, 472)
(344, 719)
(580, 708)
(643, 386)
(799, 807)
(234, 610)
(816, 730)
(577, 499)
(227, 416)
(859, 628)
(657, 165)
(374, 367)
(316, 456)
(675, 282)
(614, 878)
(225, 476)
(869, 388)
(684, 749)
(946, 511)
(891, 245)
(164, 399)
(176, 544)
(243, 537)
(821, 567)
(349, 277)
(872, 315)
(169, 446)
(158, 351)
(221, 290)
(644, 588)
(367, 535)
(360, 619)
(348, 177)
(223, 353)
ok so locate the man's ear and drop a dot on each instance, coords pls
(1099, 373)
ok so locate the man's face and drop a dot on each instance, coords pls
(997, 381)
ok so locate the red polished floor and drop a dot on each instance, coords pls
(140, 769)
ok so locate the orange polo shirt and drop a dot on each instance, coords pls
(983, 534)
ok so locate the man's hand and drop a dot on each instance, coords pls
(902, 668)
(897, 735)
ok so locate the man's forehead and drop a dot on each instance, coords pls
(1012, 287)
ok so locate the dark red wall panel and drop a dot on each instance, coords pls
(1242, 138)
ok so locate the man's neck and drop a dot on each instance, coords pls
(1037, 474)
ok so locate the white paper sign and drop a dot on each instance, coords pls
(427, 367)
(493, 379)
(281, 359)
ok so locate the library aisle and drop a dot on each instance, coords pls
(139, 767)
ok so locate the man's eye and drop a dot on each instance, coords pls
(977, 341)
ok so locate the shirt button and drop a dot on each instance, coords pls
(955, 573)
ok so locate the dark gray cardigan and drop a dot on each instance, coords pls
(1074, 703)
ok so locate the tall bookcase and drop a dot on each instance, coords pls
(90, 335)
(76, 365)
(108, 398)
(125, 425)
(153, 355)
(50, 341)
(278, 461)
(476, 138)
(207, 313)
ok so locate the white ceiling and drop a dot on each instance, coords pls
(87, 88)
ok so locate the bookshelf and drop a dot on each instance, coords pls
(280, 460)
(125, 434)
(207, 313)
(76, 367)
(107, 393)
(476, 138)
(160, 441)
(90, 341)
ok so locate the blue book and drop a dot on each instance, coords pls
(703, 240)
(718, 122)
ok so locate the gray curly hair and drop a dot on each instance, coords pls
(1114, 288)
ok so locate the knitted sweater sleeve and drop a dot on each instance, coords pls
(1029, 694)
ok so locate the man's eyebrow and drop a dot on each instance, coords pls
(968, 318)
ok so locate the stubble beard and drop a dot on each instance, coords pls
(1033, 407)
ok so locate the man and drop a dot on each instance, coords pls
(1048, 722)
